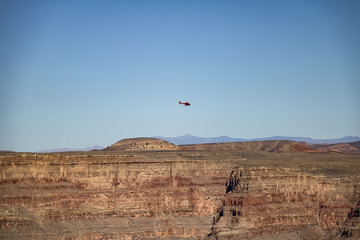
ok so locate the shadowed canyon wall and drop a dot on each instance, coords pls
(176, 195)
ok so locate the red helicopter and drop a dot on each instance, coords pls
(185, 103)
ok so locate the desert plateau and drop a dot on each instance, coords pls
(147, 188)
(179, 120)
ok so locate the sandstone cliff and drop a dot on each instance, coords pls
(179, 195)
(260, 201)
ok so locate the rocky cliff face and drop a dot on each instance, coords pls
(112, 196)
(178, 195)
(263, 201)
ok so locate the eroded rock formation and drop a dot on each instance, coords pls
(264, 200)
(141, 144)
(179, 195)
(110, 196)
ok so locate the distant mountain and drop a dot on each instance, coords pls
(190, 139)
(96, 147)
(311, 140)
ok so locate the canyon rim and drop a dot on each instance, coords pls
(151, 189)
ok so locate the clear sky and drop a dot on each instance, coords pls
(80, 73)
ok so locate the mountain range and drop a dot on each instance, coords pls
(96, 147)
(190, 139)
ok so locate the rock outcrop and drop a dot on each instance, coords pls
(260, 201)
(141, 144)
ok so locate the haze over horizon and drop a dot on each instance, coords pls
(82, 73)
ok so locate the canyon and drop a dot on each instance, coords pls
(151, 189)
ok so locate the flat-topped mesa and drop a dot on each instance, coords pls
(142, 144)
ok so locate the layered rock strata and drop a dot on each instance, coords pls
(263, 201)
(108, 196)
(178, 195)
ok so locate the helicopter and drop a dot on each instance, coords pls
(185, 103)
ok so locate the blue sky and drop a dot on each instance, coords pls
(80, 73)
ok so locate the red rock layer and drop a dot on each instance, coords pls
(263, 201)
